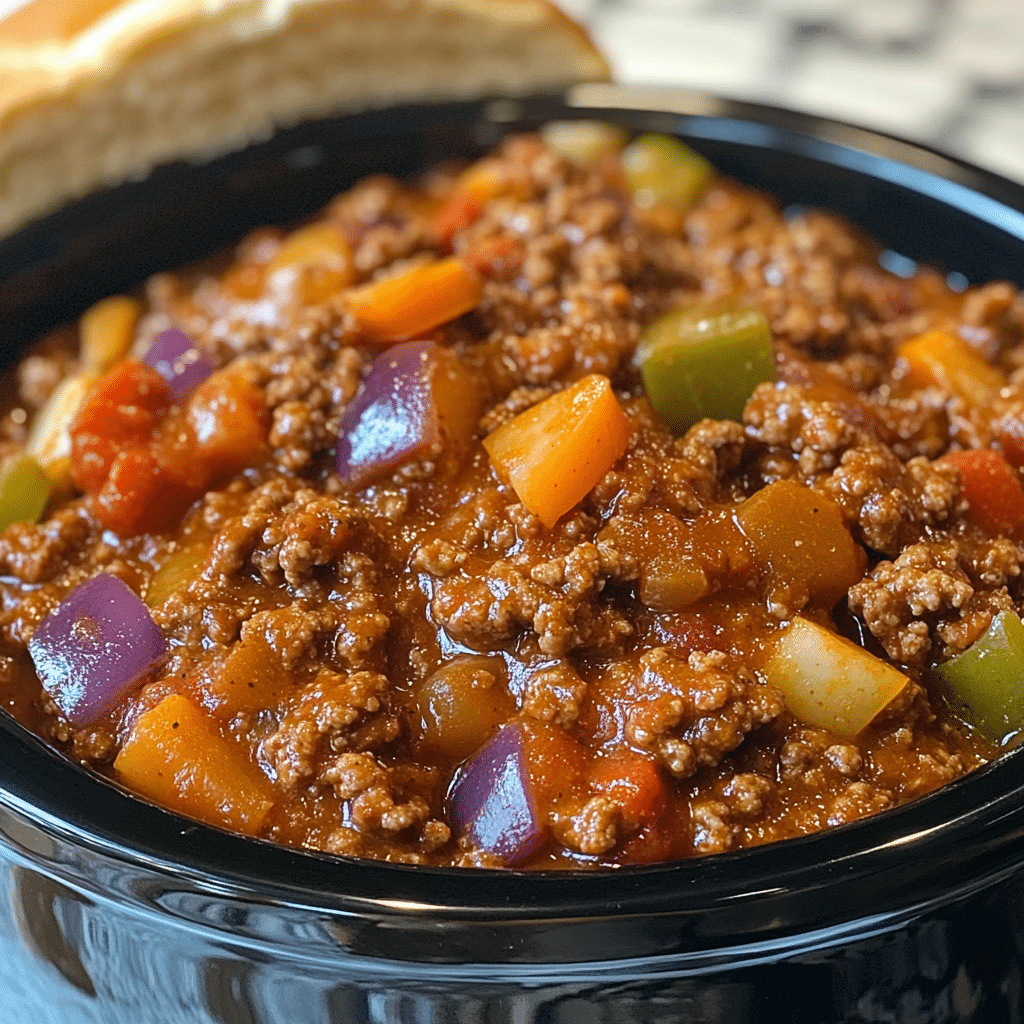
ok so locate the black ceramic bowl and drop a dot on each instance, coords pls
(116, 911)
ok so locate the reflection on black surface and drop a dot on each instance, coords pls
(40, 904)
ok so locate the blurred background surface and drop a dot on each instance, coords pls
(949, 73)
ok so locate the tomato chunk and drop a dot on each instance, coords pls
(993, 491)
(229, 420)
(634, 783)
(122, 412)
(144, 461)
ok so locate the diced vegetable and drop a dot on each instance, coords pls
(583, 142)
(463, 703)
(492, 801)
(828, 681)
(993, 491)
(94, 647)
(319, 244)
(143, 462)
(180, 569)
(417, 400)
(634, 782)
(985, 684)
(106, 331)
(320, 256)
(555, 452)
(799, 536)
(49, 440)
(229, 421)
(175, 757)
(24, 491)
(404, 307)
(661, 169)
(704, 361)
(942, 359)
(122, 412)
(251, 678)
(662, 545)
(478, 184)
(174, 356)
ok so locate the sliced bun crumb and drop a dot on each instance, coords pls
(93, 92)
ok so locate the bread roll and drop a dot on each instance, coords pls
(93, 92)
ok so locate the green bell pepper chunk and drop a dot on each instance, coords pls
(985, 684)
(24, 492)
(661, 169)
(704, 361)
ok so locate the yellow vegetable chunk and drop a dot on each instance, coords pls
(828, 681)
(944, 360)
(174, 757)
(584, 142)
(554, 453)
(799, 536)
(321, 258)
(107, 330)
(181, 568)
(49, 440)
(24, 492)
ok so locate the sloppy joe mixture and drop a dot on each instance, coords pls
(575, 508)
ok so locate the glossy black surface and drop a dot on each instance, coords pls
(108, 899)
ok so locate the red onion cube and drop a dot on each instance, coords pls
(94, 647)
(417, 397)
(178, 361)
(492, 802)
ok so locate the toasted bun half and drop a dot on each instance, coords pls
(93, 92)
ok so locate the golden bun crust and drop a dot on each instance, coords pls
(93, 92)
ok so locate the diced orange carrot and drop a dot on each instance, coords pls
(942, 359)
(799, 536)
(554, 453)
(410, 305)
(634, 783)
(993, 491)
(175, 757)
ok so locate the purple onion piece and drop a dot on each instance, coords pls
(178, 361)
(492, 802)
(94, 647)
(393, 419)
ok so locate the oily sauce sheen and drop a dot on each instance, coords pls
(338, 649)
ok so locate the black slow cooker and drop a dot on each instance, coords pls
(116, 911)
